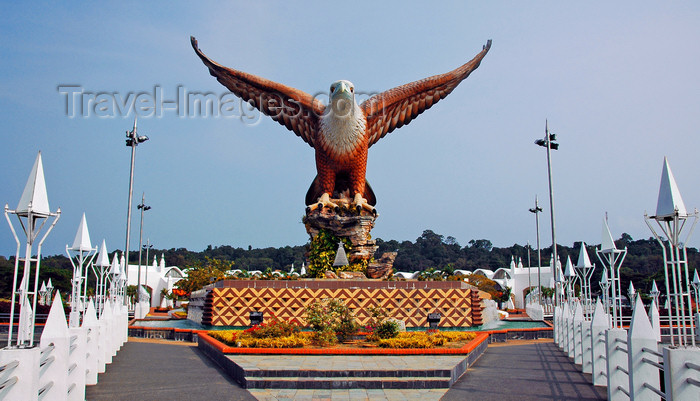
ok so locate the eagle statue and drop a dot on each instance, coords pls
(342, 131)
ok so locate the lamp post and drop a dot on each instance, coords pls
(536, 210)
(132, 140)
(147, 247)
(143, 208)
(549, 144)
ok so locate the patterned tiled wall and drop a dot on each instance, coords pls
(229, 303)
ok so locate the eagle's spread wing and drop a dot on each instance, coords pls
(295, 109)
(398, 106)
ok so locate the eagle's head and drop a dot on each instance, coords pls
(342, 99)
(343, 124)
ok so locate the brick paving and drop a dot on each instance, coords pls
(517, 370)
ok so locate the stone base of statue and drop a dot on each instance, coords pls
(345, 223)
(383, 267)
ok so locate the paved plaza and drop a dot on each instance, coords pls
(518, 370)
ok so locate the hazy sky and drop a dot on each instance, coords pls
(618, 82)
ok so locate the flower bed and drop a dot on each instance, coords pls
(236, 342)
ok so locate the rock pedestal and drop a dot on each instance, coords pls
(346, 223)
(382, 267)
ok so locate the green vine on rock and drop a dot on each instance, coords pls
(322, 251)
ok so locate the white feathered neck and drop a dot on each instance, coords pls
(343, 133)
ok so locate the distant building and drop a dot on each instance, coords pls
(159, 277)
(516, 278)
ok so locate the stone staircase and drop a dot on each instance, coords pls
(347, 379)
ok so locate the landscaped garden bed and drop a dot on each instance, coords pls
(333, 330)
(405, 340)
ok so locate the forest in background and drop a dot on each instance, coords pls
(642, 265)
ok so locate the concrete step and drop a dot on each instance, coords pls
(349, 373)
(387, 382)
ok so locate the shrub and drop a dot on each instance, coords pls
(228, 337)
(274, 328)
(293, 341)
(237, 338)
(387, 329)
(329, 317)
(378, 326)
(424, 339)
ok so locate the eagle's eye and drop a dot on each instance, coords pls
(352, 89)
(332, 88)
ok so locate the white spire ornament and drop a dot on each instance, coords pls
(33, 212)
(671, 216)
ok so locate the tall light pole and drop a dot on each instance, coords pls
(147, 246)
(536, 210)
(548, 142)
(143, 208)
(132, 140)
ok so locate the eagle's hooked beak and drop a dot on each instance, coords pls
(343, 98)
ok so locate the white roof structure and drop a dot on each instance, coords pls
(34, 193)
(82, 237)
(670, 199)
(103, 257)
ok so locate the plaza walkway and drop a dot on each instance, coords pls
(163, 370)
(535, 370)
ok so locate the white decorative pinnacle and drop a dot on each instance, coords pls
(607, 244)
(56, 326)
(34, 196)
(670, 201)
(103, 257)
(584, 262)
(115, 266)
(631, 291)
(82, 237)
(341, 258)
(640, 326)
(569, 271)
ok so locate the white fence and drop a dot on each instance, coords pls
(628, 362)
(67, 359)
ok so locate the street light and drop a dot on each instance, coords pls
(132, 140)
(143, 208)
(536, 210)
(549, 144)
(147, 246)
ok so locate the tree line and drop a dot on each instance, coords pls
(642, 265)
